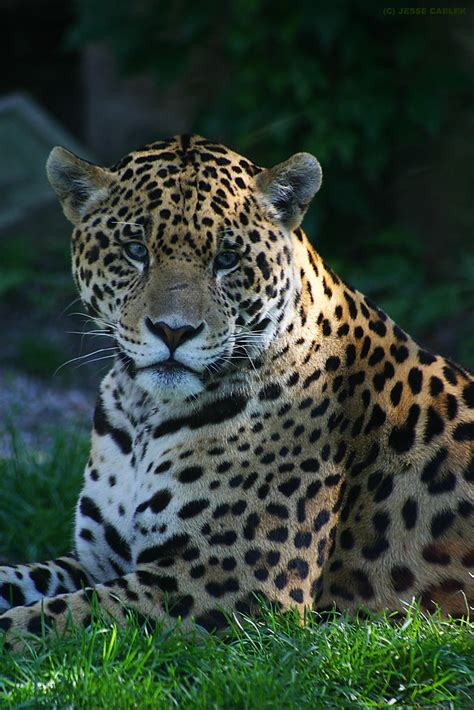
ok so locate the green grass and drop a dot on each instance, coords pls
(269, 663)
(39, 493)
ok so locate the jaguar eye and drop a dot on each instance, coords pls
(136, 251)
(226, 260)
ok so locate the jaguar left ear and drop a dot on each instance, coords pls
(78, 184)
(289, 187)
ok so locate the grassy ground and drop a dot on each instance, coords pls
(272, 663)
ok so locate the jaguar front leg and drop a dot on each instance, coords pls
(161, 592)
(26, 583)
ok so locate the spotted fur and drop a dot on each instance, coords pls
(265, 428)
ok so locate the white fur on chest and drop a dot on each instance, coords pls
(142, 484)
(136, 499)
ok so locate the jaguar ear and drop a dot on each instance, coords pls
(78, 183)
(289, 187)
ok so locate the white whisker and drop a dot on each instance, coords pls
(69, 306)
(92, 333)
(97, 359)
(87, 355)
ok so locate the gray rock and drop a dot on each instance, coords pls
(27, 134)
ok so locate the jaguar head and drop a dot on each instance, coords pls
(184, 251)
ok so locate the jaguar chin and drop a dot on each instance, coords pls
(169, 380)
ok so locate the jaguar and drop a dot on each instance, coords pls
(265, 431)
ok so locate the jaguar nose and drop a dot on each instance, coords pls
(172, 337)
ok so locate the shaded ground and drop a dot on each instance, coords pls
(42, 325)
(33, 410)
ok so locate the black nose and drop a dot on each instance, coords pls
(172, 337)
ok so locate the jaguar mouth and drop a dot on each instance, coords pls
(169, 379)
(169, 365)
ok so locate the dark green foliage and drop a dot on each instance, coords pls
(341, 80)
(35, 286)
(389, 266)
(38, 356)
(17, 265)
(34, 273)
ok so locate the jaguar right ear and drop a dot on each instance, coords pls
(289, 187)
(78, 184)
